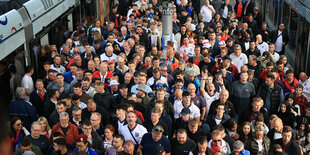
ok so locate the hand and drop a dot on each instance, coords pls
(62, 89)
(117, 15)
(236, 136)
(139, 100)
(204, 75)
(266, 32)
(221, 81)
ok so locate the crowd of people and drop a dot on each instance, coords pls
(220, 85)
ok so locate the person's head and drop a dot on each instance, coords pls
(270, 80)
(64, 119)
(257, 104)
(202, 144)
(246, 128)
(53, 94)
(131, 118)
(216, 138)
(298, 89)
(224, 95)
(81, 142)
(271, 48)
(61, 107)
(59, 144)
(118, 141)
(109, 131)
(210, 88)
(285, 107)
(220, 109)
(286, 134)
(129, 147)
(281, 26)
(238, 146)
(181, 136)
(44, 123)
(193, 125)
(159, 104)
(155, 115)
(291, 99)
(237, 50)
(160, 94)
(303, 76)
(20, 92)
(77, 114)
(86, 127)
(259, 38)
(290, 75)
(95, 119)
(36, 129)
(157, 132)
(244, 77)
(259, 132)
(278, 125)
(121, 110)
(25, 144)
(186, 98)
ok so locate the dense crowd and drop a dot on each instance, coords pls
(220, 85)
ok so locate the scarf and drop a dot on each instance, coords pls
(213, 147)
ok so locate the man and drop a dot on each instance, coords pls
(79, 74)
(265, 72)
(77, 90)
(242, 91)
(60, 147)
(103, 74)
(288, 144)
(37, 139)
(117, 145)
(226, 63)
(272, 94)
(290, 82)
(300, 98)
(261, 45)
(129, 148)
(57, 65)
(142, 96)
(217, 144)
(120, 120)
(194, 132)
(219, 118)
(26, 145)
(160, 95)
(202, 147)
(51, 103)
(92, 108)
(62, 86)
(150, 123)
(238, 59)
(22, 109)
(252, 49)
(210, 95)
(155, 142)
(132, 131)
(108, 55)
(89, 90)
(208, 11)
(38, 97)
(70, 75)
(207, 61)
(251, 114)
(82, 145)
(280, 38)
(254, 65)
(156, 76)
(198, 100)
(66, 128)
(54, 117)
(276, 133)
(238, 148)
(186, 103)
(304, 80)
(96, 124)
(142, 81)
(93, 137)
(229, 107)
(27, 81)
(182, 145)
(103, 97)
(76, 117)
(272, 53)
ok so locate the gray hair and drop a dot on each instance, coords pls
(65, 45)
(35, 123)
(238, 144)
(98, 114)
(75, 109)
(63, 114)
(128, 112)
(20, 91)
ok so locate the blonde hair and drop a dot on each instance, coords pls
(46, 122)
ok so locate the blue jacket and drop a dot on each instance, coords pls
(68, 77)
(24, 110)
(89, 151)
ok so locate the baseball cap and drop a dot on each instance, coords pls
(113, 82)
(222, 44)
(185, 111)
(81, 138)
(226, 57)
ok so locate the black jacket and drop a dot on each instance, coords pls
(212, 123)
(37, 102)
(291, 148)
(246, 116)
(105, 100)
(274, 97)
(229, 108)
(105, 117)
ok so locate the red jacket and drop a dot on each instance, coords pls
(70, 135)
(288, 88)
(139, 115)
(232, 68)
(107, 78)
(174, 64)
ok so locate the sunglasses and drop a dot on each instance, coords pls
(19, 124)
(158, 130)
(215, 141)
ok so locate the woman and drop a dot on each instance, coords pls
(109, 132)
(260, 143)
(291, 99)
(286, 115)
(46, 129)
(245, 132)
(231, 128)
(306, 144)
(17, 131)
(239, 10)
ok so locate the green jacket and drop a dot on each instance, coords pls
(252, 145)
(167, 106)
(36, 150)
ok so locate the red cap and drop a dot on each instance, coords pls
(111, 62)
(81, 138)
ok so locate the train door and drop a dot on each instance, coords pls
(302, 44)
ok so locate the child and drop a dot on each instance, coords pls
(300, 98)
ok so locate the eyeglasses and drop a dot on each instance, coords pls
(215, 141)
(87, 128)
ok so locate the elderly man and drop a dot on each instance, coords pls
(288, 144)
(276, 133)
(37, 139)
(68, 130)
(182, 145)
(239, 148)
(229, 107)
(108, 55)
(22, 109)
(103, 74)
(304, 80)
(238, 58)
(132, 131)
(217, 144)
(155, 142)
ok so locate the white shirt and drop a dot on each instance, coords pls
(277, 135)
(225, 147)
(82, 105)
(61, 69)
(225, 12)
(27, 83)
(246, 45)
(207, 13)
(306, 90)
(137, 132)
(263, 47)
(105, 57)
(239, 61)
(178, 106)
(150, 81)
(276, 56)
(260, 145)
(278, 43)
(209, 99)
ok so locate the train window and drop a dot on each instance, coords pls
(286, 13)
(271, 11)
(302, 41)
(293, 29)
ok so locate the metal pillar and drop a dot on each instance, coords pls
(167, 24)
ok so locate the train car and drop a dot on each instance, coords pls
(295, 14)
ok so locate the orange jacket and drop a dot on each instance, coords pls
(70, 135)
(174, 64)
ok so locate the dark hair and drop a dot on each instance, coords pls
(25, 141)
(75, 97)
(52, 92)
(288, 108)
(57, 134)
(61, 103)
(270, 76)
(86, 122)
(287, 129)
(241, 133)
(13, 120)
(186, 93)
(77, 85)
(289, 72)
(29, 68)
(292, 96)
(122, 106)
(202, 140)
(219, 127)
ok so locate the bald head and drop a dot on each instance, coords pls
(303, 76)
(178, 93)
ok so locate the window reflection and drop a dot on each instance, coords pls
(293, 29)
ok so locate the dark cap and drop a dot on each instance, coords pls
(218, 72)
(123, 86)
(226, 57)
(229, 39)
(158, 129)
(60, 141)
(185, 111)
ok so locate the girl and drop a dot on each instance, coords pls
(286, 115)
(109, 133)
(295, 108)
(245, 132)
